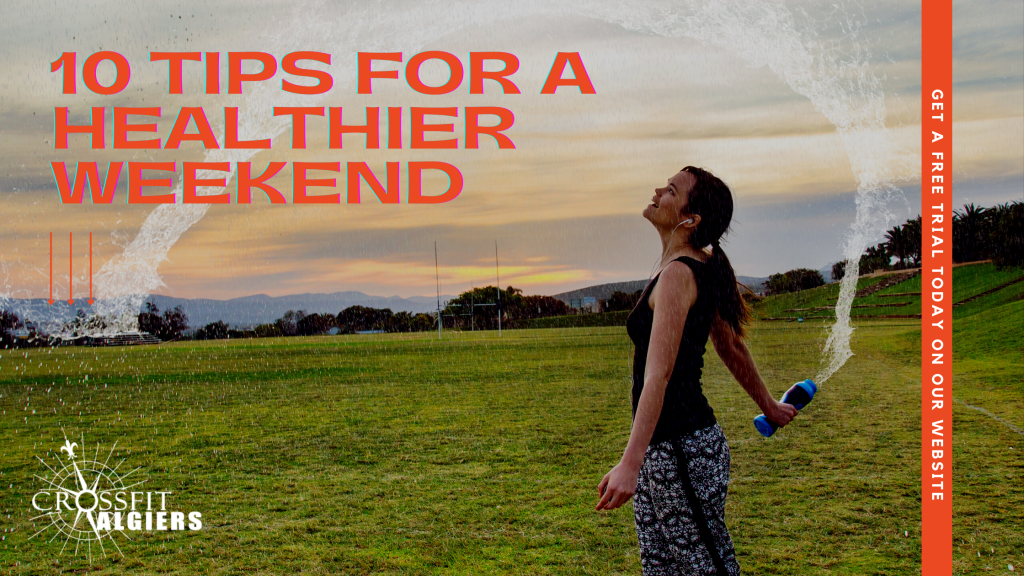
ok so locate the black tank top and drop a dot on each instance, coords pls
(685, 409)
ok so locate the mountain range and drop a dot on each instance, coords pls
(604, 291)
(249, 311)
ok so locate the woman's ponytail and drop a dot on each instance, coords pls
(712, 200)
(731, 306)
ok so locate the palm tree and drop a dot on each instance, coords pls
(1007, 234)
(912, 236)
(874, 258)
(970, 240)
(896, 244)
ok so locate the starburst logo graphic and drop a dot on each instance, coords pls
(87, 502)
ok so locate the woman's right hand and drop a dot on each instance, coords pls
(618, 485)
(781, 413)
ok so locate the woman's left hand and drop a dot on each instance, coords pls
(781, 413)
(617, 486)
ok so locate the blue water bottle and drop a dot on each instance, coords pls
(798, 396)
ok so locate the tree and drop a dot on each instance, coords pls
(401, 322)
(9, 321)
(912, 237)
(288, 324)
(805, 278)
(236, 334)
(75, 326)
(174, 324)
(1007, 234)
(476, 308)
(359, 318)
(838, 270)
(620, 300)
(150, 320)
(423, 322)
(896, 245)
(793, 281)
(268, 331)
(314, 324)
(543, 307)
(213, 331)
(778, 284)
(382, 319)
(970, 234)
(874, 258)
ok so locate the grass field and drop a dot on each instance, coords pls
(968, 280)
(402, 454)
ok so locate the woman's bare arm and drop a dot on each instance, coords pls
(736, 357)
(672, 297)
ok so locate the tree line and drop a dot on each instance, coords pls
(995, 233)
(979, 233)
(478, 309)
(474, 309)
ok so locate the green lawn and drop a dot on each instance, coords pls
(968, 280)
(778, 306)
(400, 454)
(988, 504)
(587, 320)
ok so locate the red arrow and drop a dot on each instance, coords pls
(90, 270)
(71, 271)
(51, 270)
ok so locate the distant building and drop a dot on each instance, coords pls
(585, 304)
(599, 292)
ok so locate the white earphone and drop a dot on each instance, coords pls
(687, 221)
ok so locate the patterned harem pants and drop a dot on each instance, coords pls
(680, 518)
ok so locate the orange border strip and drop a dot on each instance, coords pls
(936, 287)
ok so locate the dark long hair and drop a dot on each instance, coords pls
(711, 199)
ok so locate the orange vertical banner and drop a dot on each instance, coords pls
(936, 287)
(71, 271)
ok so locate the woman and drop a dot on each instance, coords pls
(677, 460)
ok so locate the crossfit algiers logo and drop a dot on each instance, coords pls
(88, 502)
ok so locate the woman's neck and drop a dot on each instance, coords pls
(676, 245)
(698, 255)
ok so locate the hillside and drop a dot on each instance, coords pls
(976, 288)
(604, 291)
(601, 291)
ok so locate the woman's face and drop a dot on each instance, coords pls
(668, 207)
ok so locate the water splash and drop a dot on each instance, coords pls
(125, 281)
(835, 76)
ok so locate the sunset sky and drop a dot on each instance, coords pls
(564, 205)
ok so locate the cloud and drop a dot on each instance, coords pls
(563, 205)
